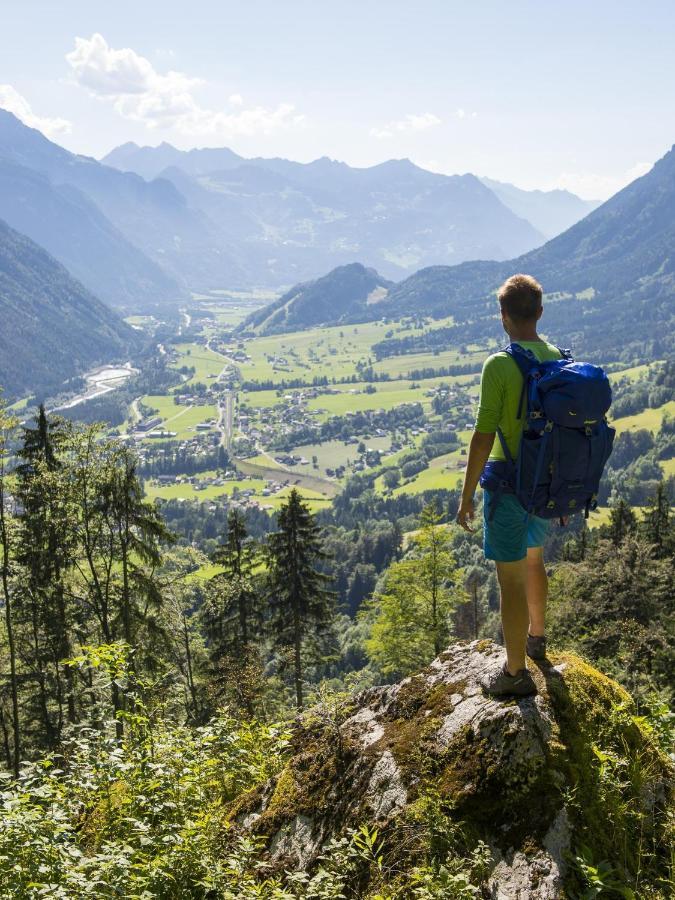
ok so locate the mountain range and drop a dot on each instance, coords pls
(286, 217)
(147, 225)
(610, 282)
(551, 212)
(203, 218)
(52, 327)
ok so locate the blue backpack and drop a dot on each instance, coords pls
(566, 440)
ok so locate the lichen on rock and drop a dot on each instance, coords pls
(535, 779)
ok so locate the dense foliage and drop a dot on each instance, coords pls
(140, 703)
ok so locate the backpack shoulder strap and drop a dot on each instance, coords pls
(524, 359)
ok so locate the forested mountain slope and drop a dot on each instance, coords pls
(153, 216)
(344, 293)
(52, 327)
(72, 228)
(616, 269)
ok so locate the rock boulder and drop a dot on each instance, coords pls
(437, 767)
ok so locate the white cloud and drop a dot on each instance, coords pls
(463, 114)
(142, 94)
(411, 122)
(593, 186)
(12, 101)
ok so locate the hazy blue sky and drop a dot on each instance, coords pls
(569, 94)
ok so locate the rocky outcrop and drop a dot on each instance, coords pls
(438, 767)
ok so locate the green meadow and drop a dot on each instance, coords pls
(205, 362)
(650, 419)
(331, 454)
(181, 419)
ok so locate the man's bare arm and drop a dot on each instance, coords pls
(479, 451)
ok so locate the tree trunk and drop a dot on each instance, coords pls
(297, 658)
(4, 542)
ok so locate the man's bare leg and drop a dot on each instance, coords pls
(537, 591)
(513, 584)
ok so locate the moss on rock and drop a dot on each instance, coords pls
(535, 779)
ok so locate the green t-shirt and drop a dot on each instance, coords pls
(500, 386)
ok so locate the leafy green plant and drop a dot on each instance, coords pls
(600, 879)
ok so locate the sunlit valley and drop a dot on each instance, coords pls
(241, 632)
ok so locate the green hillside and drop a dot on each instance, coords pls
(52, 327)
(346, 293)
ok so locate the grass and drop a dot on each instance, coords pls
(600, 516)
(403, 365)
(351, 397)
(668, 467)
(443, 474)
(634, 373)
(181, 419)
(261, 399)
(331, 454)
(204, 573)
(346, 401)
(204, 361)
(18, 407)
(188, 491)
(334, 352)
(213, 492)
(231, 310)
(650, 419)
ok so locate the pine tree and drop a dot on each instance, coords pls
(232, 613)
(120, 537)
(236, 618)
(6, 553)
(657, 526)
(302, 607)
(45, 548)
(622, 522)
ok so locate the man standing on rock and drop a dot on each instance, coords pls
(514, 540)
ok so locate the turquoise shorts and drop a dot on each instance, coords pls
(511, 532)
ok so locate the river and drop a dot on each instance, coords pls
(100, 381)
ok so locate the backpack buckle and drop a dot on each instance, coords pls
(548, 426)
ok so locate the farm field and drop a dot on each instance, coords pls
(436, 477)
(353, 401)
(261, 399)
(634, 373)
(331, 352)
(206, 362)
(443, 474)
(400, 366)
(353, 397)
(331, 454)
(181, 419)
(211, 493)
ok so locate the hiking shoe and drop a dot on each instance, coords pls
(502, 684)
(536, 646)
